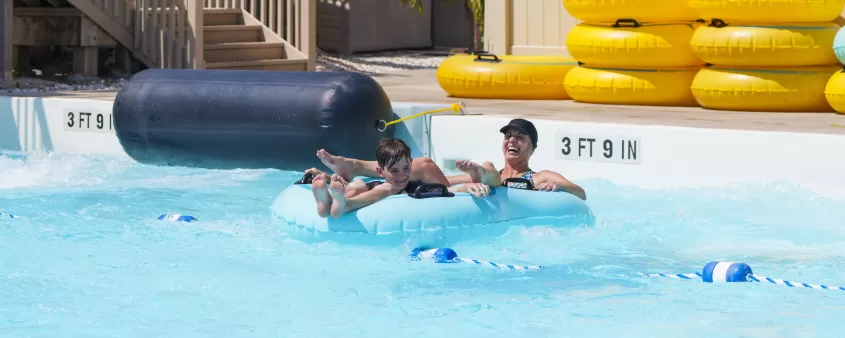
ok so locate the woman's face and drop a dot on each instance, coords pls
(516, 145)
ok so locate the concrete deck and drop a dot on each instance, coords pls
(421, 86)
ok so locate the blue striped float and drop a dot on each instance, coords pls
(428, 222)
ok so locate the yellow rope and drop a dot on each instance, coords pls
(455, 108)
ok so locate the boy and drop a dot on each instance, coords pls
(394, 164)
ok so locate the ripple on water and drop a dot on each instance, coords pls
(89, 259)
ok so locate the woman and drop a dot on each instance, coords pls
(518, 145)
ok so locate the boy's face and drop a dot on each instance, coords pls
(398, 174)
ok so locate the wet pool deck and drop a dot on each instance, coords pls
(421, 86)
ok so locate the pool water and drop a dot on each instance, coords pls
(90, 259)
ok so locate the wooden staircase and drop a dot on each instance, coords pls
(234, 39)
(213, 34)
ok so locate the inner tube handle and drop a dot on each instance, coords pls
(306, 179)
(431, 190)
(479, 57)
(718, 23)
(633, 23)
(518, 183)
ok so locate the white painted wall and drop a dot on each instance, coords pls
(667, 156)
(33, 125)
(67, 126)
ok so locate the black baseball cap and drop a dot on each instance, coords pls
(524, 126)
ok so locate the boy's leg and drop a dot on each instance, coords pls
(422, 168)
(320, 189)
(489, 175)
(348, 168)
(485, 173)
(341, 192)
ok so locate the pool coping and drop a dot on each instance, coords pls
(421, 86)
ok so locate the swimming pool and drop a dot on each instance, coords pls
(89, 259)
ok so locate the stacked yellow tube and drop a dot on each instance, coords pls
(765, 55)
(506, 77)
(834, 92)
(632, 52)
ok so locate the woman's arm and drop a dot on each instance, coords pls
(552, 181)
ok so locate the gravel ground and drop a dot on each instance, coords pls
(380, 63)
(370, 64)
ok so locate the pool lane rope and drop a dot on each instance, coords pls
(176, 217)
(733, 272)
(713, 272)
(447, 255)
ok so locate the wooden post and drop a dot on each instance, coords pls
(308, 32)
(195, 39)
(497, 26)
(6, 56)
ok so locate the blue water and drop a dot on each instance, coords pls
(90, 260)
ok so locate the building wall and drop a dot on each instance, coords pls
(518, 27)
(6, 41)
(540, 27)
(451, 25)
(347, 27)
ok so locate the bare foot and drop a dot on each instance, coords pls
(340, 165)
(338, 191)
(471, 168)
(320, 189)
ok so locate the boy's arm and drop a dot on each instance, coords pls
(459, 179)
(366, 198)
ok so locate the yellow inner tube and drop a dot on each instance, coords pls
(514, 77)
(656, 87)
(834, 92)
(633, 44)
(769, 11)
(795, 89)
(769, 45)
(640, 10)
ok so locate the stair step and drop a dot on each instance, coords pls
(243, 51)
(271, 64)
(232, 33)
(222, 10)
(222, 17)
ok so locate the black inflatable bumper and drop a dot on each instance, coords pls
(224, 119)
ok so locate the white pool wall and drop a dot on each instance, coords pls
(666, 156)
(42, 125)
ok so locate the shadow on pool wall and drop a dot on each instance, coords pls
(58, 125)
(23, 126)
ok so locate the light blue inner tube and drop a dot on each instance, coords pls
(428, 222)
(839, 45)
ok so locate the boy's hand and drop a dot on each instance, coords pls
(477, 189)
